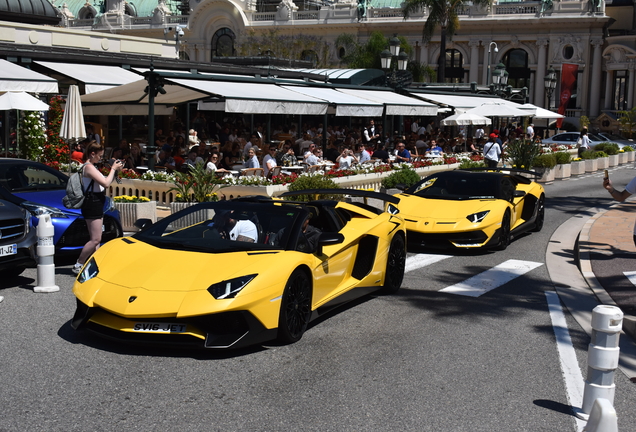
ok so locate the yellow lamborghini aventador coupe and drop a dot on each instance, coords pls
(234, 273)
(476, 208)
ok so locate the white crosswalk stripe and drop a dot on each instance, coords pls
(491, 278)
(422, 260)
(631, 275)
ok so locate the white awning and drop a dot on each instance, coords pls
(126, 110)
(461, 103)
(396, 104)
(346, 105)
(94, 77)
(134, 93)
(17, 78)
(257, 98)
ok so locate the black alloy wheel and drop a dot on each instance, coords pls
(538, 223)
(504, 232)
(295, 310)
(395, 264)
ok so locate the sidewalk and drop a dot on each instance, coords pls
(606, 251)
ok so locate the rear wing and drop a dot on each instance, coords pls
(517, 172)
(351, 192)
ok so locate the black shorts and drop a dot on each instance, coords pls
(93, 206)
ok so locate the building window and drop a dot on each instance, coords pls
(454, 66)
(620, 90)
(341, 52)
(516, 62)
(568, 52)
(223, 43)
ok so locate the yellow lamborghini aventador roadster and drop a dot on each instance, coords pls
(234, 273)
(476, 208)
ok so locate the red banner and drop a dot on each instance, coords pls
(568, 82)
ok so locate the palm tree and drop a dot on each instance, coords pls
(445, 14)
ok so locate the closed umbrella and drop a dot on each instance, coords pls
(73, 128)
(21, 101)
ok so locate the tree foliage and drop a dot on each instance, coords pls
(627, 120)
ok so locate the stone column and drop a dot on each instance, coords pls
(609, 97)
(539, 85)
(630, 85)
(473, 74)
(424, 53)
(484, 72)
(595, 87)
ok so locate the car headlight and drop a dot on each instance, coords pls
(230, 288)
(39, 209)
(109, 205)
(477, 217)
(89, 271)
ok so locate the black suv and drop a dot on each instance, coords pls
(17, 240)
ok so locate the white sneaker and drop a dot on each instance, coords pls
(77, 268)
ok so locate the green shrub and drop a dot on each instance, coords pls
(609, 148)
(521, 153)
(316, 181)
(563, 158)
(547, 160)
(467, 164)
(406, 176)
(599, 154)
(628, 149)
(588, 154)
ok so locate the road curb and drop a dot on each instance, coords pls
(585, 264)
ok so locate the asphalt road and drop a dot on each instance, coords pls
(420, 360)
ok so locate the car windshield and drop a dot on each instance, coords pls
(25, 177)
(227, 226)
(459, 186)
(594, 137)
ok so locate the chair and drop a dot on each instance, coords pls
(274, 172)
(314, 168)
(108, 152)
(305, 165)
(159, 168)
(253, 172)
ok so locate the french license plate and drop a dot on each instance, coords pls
(154, 327)
(8, 250)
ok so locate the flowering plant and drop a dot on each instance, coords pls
(130, 199)
(32, 134)
(55, 149)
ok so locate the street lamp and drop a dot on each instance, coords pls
(154, 87)
(496, 50)
(386, 59)
(500, 80)
(550, 82)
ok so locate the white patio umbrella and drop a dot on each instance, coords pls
(498, 109)
(20, 101)
(541, 113)
(466, 118)
(73, 127)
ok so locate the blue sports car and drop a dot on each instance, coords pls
(40, 189)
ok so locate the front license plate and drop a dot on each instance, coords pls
(8, 250)
(154, 327)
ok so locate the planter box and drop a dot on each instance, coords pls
(613, 160)
(193, 218)
(591, 165)
(562, 171)
(547, 174)
(603, 163)
(130, 212)
(623, 158)
(577, 168)
(630, 156)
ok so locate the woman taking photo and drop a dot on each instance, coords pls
(94, 184)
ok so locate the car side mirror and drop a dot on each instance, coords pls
(328, 238)
(519, 194)
(143, 223)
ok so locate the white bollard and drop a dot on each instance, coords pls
(602, 357)
(602, 418)
(45, 250)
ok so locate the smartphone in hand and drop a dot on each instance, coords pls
(606, 175)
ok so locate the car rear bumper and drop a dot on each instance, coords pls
(226, 330)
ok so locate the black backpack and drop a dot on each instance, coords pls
(75, 190)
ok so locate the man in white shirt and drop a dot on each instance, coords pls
(269, 161)
(479, 133)
(530, 131)
(241, 230)
(364, 154)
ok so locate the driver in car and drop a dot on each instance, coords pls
(238, 229)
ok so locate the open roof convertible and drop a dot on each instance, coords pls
(235, 273)
(478, 208)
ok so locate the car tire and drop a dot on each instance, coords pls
(11, 273)
(504, 233)
(295, 309)
(538, 222)
(395, 264)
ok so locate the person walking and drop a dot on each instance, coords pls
(492, 151)
(94, 184)
(621, 196)
(583, 142)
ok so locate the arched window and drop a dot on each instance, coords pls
(516, 62)
(454, 66)
(309, 55)
(223, 43)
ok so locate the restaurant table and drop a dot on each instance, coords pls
(141, 169)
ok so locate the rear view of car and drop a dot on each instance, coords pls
(17, 240)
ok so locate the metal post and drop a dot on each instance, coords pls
(150, 148)
(602, 418)
(602, 357)
(45, 250)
